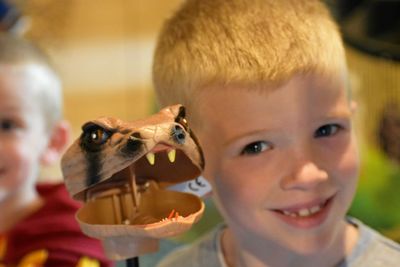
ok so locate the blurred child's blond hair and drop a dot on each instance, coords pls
(249, 43)
(18, 52)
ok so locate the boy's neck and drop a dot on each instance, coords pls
(17, 207)
(238, 256)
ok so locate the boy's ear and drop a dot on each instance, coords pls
(58, 140)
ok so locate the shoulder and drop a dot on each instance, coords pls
(373, 249)
(383, 252)
(58, 212)
(203, 252)
(56, 195)
(56, 215)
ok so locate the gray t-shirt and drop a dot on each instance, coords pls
(372, 250)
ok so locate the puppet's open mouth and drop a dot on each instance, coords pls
(165, 165)
(135, 195)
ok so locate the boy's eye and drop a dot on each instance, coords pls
(327, 130)
(7, 125)
(255, 148)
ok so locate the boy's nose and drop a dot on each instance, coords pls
(305, 175)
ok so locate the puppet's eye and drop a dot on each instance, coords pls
(94, 136)
(98, 136)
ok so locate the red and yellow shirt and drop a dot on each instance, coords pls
(51, 237)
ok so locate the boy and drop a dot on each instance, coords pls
(37, 225)
(264, 83)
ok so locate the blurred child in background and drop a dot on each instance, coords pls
(37, 224)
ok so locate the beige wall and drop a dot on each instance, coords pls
(103, 50)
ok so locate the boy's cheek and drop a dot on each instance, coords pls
(351, 170)
(237, 204)
(341, 158)
(347, 180)
(212, 157)
(352, 162)
(231, 189)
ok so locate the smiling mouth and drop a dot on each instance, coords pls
(305, 212)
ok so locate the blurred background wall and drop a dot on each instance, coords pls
(103, 52)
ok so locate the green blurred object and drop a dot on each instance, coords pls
(377, 202)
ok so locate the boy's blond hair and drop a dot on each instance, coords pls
(17, 51)
(244, 42)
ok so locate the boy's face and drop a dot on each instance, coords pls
(22, 131)
(283, 163)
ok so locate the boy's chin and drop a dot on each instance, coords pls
(309, 246)
(307, 250)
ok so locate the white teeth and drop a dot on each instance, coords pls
(151, 158)
(172, 155)
(291, 214)
(303, 212)
(315, 209)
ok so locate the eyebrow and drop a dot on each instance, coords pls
(344, 114)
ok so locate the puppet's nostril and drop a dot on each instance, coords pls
(134, 143)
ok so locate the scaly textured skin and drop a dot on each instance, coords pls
(120, 170)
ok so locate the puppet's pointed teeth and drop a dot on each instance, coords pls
(172, 155)
(151, 158)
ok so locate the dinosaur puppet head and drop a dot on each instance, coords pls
(121, 171)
